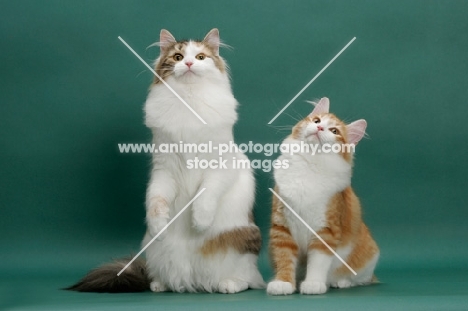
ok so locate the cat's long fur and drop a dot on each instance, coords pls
(213, 246)
(318, 188)
(104, 278)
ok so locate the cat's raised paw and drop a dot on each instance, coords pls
(157, 287)
(313, 288)
(230, 286)
(202, 217)
(280, 288)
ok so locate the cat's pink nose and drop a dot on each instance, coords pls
(189, 64)
(319, 127)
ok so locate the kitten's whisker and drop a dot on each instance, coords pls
(281, 128)
(297, 120)
(298, 114)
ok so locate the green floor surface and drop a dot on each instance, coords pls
(401, 290)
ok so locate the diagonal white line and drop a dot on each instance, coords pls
(312, 230)
(313, 79)
(164, 82)
(162, 230)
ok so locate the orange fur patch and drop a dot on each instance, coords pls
(364, 250)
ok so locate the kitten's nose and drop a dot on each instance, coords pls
(319, 127)
(189, 64)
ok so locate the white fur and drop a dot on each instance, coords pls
(307, 186)
(174, 262)
(277, 287)
(318, 265)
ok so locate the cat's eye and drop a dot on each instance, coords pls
(200, 56)
(316, 120)
(334, 130)
(178, 57)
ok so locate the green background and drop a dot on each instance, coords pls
(70, 91)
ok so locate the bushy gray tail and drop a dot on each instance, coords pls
(104, 279)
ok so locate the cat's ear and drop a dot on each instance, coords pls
(212, 40)
(166, 39)
(323, 106)
(356, 131)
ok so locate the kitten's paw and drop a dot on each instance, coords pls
(280, 288)
(157, 287)
(313, 288)
(155, 225)
(203, 216)
(230, 286)
(344, 283)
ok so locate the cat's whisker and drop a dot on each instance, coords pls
(298, 114)
(141, 72)
(281, 128)
(295, 119)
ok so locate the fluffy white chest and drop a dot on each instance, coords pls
(213, 102)
(307, 186)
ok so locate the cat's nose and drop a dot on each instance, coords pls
(189, 64)
(319, 127)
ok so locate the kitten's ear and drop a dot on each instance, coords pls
(356, 131)
(166, 39)
(323, 106)
(212, 40)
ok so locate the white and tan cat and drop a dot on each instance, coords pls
(213, 246)
(318, 188)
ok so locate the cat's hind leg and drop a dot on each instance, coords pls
(342, 283)
(158, 287)
(232, 286)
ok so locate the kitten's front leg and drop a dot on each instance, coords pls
(159, 197)
(284, 251)
(204, 208)
(318, 265)
(319, 260)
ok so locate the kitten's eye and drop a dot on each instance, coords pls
(178, 57)
(316, 120)
(200, 56)
(334, 130)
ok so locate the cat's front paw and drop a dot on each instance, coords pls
(313, 288)
(280, 288)
(203, 215)
(155, 226)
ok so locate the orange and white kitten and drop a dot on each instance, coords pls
(318, 188)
